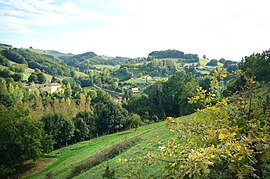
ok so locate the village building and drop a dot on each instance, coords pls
(209, 68)
(156, 78)
(135, 90)
(51, 87)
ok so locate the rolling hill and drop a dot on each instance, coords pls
(61, 162)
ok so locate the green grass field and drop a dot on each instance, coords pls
(204, 72)
(3, 67)
(78, 73)
(53, 53)
(136, 80)
(107, 66)
(63, 160)
(203, 62)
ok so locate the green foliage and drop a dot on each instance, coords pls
(189, 91)
(59, 127)
(13, 55)
(225, 140)
(20, 68)
(11, 93)
(139, 104)
(135, 121)
(17, 77)
(89, 119)
(111, 117)
(109, 173)
(257, 65)
(173, 54)
(37, 78)
(35, 60)
(4, 61)
(69, 81)
(222, 60)
(21, 138)
(81, 129)
(156, 99)
(86, 60)
(71, 60)
(213, 62)
(5, 73)
(165, 98)
(117, 61)
(124, 73)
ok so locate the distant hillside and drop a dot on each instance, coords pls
(86, 60)
(173, 54)
(117, 61)
(5, 45)
(52, 54)
(77, 58)
(35, 60)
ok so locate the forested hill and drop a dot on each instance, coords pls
(87, 60)
(173, 54)
(77, 58)
(35, 61)
(5, 45)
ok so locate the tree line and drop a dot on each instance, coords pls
(35, 123)
(172, 54)
(35, 60)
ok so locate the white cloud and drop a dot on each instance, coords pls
(230, 29)
(34, 13)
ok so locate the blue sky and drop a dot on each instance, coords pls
(132, 28)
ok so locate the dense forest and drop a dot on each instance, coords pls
(94, 101)
(174, 54)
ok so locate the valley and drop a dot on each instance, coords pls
(93, 116)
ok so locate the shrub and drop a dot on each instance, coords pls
(225, 140)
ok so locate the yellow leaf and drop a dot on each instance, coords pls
(223, 75)
(233, 134)
(221, 136)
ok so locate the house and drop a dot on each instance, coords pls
(209, 68)
(51, 87)
(135, 90)
(147, 77)
(156, 78)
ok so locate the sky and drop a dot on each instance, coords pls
(229, 29)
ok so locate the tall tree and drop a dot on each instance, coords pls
(61, 128)
(111, 117)
(21, 138)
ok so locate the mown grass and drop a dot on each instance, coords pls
(78, 73)
(137, 80)
(204, 72)
(148, 142)
(203, 62)
(107, 66)
(102, 156)
(73, 155)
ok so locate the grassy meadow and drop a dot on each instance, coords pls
(60, 162)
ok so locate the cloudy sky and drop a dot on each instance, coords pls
(132, 28)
